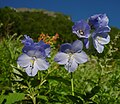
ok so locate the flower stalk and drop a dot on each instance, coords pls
(72, 84)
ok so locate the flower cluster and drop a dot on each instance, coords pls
(34, 56)
(98, 24)
(70, 54)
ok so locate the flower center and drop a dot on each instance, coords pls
(99, 38)
(32, 63)
(81, 32)
(33, 60)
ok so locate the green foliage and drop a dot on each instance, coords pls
(96, 81)
(34, 23)
(12, 98)
(9, 52)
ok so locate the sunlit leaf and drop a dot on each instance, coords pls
(14, 97)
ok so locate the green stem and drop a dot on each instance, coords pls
(38, 75)
(72, 84)
(34, 100)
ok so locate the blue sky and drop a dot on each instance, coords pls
(77, 9)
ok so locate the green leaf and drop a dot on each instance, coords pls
(20, 73)
(14, 97)
(95, 90)
(42, 97)
(91, 93)
(59, 79)
(2, 97)
(75, 99)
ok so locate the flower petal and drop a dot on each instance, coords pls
(27, 40)
(86, 43)
(36, 53)
(99, 20)
(24, 60)
(47, 52)
(31, 70)
(65, 47)
(41, 64)
(61, 58)
(103, 29)
(77, 46)
(99, 47)
(102, 40)
(80, 57)
(71, 65)
(46, 47)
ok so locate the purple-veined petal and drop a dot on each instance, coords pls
(102, 40)
(31, 70)
(46, 47)
(103, 29)
(65, 47)
(24, 60)
(41, 64)
(61, 58)
(26, 48)
(77, 46)
(99, 47)
(71, 65)
(80, 57)
(99, 20)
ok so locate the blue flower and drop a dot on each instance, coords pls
(33, 61)
(100, 38)
(34, 56)
(29, 44)
(82, 30)
(98, 20)
(71, 55)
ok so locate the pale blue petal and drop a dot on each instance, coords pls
(102, 40)
(41, 64)
(80, 57)
(71, 65)
(99, 47)
(36, 53)
(86, 43)
(77, 46)
(104, 20)
(47, 52)
(61, 58)
(24, 60)
(31, 70)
